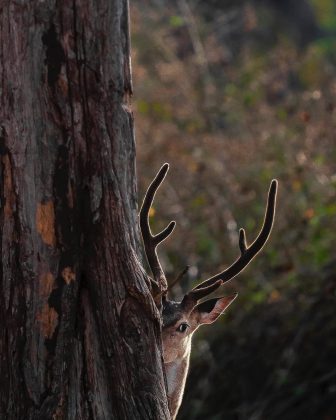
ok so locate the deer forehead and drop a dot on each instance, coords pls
(172, 313)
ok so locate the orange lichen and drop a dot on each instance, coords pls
(8, 187)
(48, 319)
(63, 84)
(68, 275)
(45, 219)
(46, 282)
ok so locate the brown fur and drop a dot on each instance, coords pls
(177, 344)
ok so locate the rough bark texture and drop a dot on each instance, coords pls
(79, 333)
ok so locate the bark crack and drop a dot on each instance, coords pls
(55, 56)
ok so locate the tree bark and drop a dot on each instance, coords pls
(79, 331)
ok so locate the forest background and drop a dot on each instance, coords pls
(233, 94)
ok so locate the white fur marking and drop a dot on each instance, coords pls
(173, 375)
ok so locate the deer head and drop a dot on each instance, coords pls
(181, 319)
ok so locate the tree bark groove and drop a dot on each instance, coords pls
(80, 334)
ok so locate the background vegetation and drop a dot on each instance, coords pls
(233, 94)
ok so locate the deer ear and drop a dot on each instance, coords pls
(208, 311)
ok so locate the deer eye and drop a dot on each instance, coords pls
(182, 327)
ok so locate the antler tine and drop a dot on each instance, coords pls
(190, 299)
(152, 241)
(179, 277)
(247, 252)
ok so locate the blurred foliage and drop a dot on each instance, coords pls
(232, 96)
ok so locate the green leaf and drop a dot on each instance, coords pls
(176, 21)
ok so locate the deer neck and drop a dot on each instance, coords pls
(176, 373)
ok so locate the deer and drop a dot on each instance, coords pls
(181, 319)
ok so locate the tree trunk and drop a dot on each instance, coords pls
(79, 332)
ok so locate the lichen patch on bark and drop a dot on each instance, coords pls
(8, 187)
(68, 275)
(45, 221)
(63, 83)
(48, 319)
(46, 282)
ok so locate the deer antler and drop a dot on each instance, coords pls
(159, 283)
(247, 253)
(178, 278)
